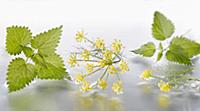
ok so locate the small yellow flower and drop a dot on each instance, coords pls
(79, 78)
(112, 70)
(146, 74)
(80, 36)
(103, 63)
(99, 43)
(117, 46)
(108, 54)
(85, 54)
(123, 66)
(72, 60)
(117, 87)
(89, 68)
(86, 87)
(165, 87)
(102, 84)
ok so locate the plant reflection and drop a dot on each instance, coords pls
(96, 102)
(163, 101)
(44, 96)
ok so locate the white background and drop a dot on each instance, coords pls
(123, 19)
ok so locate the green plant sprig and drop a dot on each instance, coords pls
(40, 61)
(170, 81)
(180, 49)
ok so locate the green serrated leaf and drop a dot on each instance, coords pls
(186, 46)
(27, 51)
(146, 50)
(162, 28)
(38, 59)
(176, 56)
(16, 38)
(47, 42)
(19, 74)
(160, 54)
(53, 68)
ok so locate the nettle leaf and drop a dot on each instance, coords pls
(162, 28)
(16, 38)
(47, 42)
(189, 48)
(38, 59)
(178, 57)
(146, 50)
(53, 68)
(28, 51)
(19, 74)
(182, 49)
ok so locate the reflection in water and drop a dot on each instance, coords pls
(43, 97)
(163, 101)
(154, 100)
(96, 102)
(145, 87)
(57, 96)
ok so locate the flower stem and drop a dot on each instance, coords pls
(193, 79)
(89, 41)
(157, 77)
(87, 60)
(96, 56)
(118, 76)
(104, 73)
(94, 72)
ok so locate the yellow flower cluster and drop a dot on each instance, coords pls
(165, 87)
(112, 70)
(102, 84)
(99, 43)
(123, 66)
(117, 87)
(146, 74)
(85, 54)
(96, 59)
(89, 68)
(86, 86)
(117, 46)
(72, 60)
(79, 78)
(80, 36)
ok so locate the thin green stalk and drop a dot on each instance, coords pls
(89, 41)
(153, 76)
(104, 73)
(107, 76)
(96, 56)
(88, 60)
(94, 72)
(118, 76)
